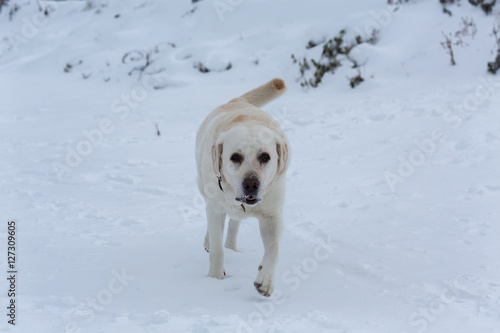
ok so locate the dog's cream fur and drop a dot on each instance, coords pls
(240, 127)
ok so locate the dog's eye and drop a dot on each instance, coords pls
(264, 158)
(236, 158)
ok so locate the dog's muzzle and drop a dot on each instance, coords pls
(250, 187)
(248, 199)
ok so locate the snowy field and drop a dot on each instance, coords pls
(391, 216)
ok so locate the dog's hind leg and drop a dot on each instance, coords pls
(232, 234)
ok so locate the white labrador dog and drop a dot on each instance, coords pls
(242, 157)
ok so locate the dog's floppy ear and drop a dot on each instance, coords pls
(217, 157)
(282, 149)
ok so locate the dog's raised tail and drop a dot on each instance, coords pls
(264, 94)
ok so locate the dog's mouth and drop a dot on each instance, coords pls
(248, 199)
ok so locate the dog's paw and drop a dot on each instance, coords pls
(264, 289)
(217, 275)
(231, 246)
(264, 284)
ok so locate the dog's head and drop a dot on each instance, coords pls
(248, 159)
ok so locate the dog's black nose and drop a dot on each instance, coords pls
(251, 185)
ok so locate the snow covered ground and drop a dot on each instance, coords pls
(391, 218)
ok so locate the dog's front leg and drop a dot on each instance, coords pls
(215, 232)
(270, 231)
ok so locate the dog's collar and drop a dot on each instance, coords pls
(219, 177)
(220, 184)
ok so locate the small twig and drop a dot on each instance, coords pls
(448, 47)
